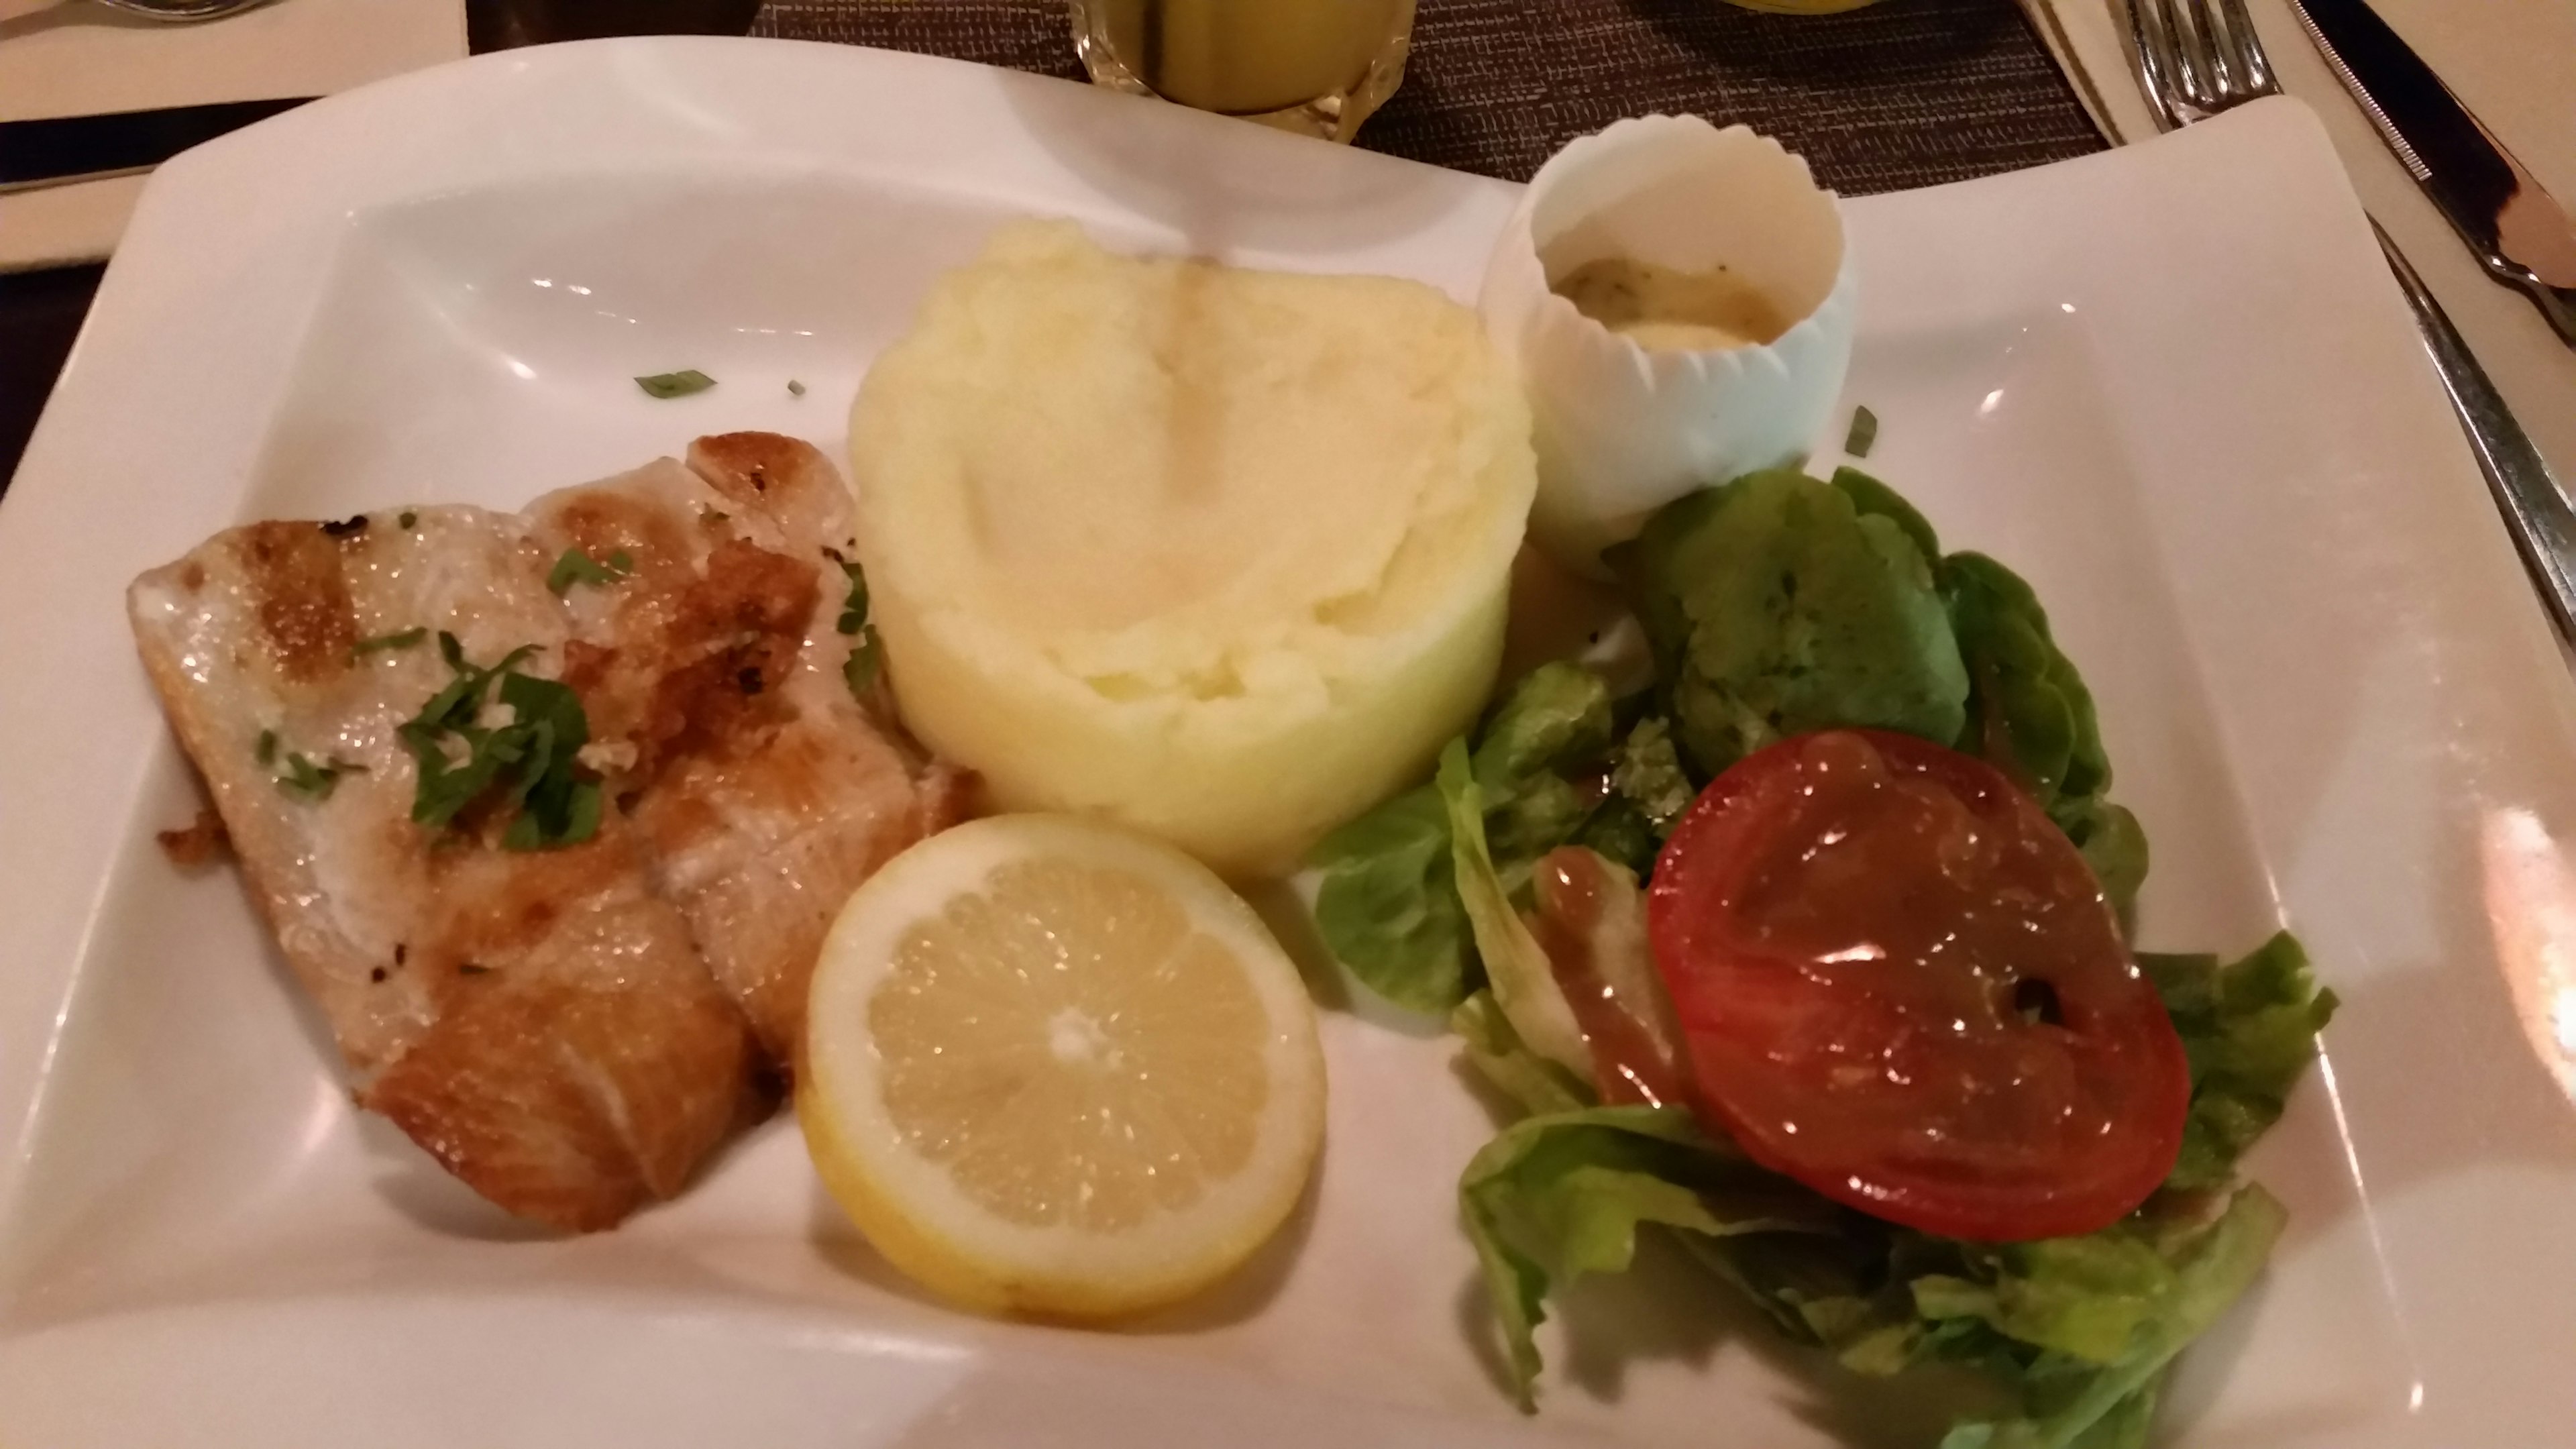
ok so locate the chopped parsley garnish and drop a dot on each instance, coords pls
(303, 778)
(312, 781)
(401, 639)
(576, 567)
(1863, 435)
(408, 519)
(526, 764)
(854, 610)
(867, 651)
(675, 384)
(860, 670)
(795, 388)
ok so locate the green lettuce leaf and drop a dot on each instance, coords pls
(1386, 900)
(1649, 790)
(1538, 1086)
(2031, 716)
(1871, 497)
(1555, 720)
(1523, 979)
(1774, 607)
(2250, 1029)
(2083, 1403)
(1620, 831)
(1647, 773)
(1386, 907)
(1841, 1290)
(2028, 710)
(2113, 844)
(2081, 1297)
(1555, 715)
(1558, 1196)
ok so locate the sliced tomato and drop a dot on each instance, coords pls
(1900, 985)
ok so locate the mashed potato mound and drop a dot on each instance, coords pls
(1219, 554)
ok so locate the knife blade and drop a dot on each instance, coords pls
(61, 150)
(2519, 232)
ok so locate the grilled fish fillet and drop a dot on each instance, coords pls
(765, 791)
(572, 1030)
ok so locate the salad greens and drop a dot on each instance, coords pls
(1523, 982)
(2080, 1329)
(2249, 1028)
(1386, 903)
(1387, 899)
(2028, 711)
(1776, 605)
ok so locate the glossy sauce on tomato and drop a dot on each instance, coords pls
(1900, 985)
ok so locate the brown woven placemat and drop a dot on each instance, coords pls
(1903, 94)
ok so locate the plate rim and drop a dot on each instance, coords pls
(169, 276)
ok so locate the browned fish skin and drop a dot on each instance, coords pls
(766, 793)
(565, 1030)
(561, 1092)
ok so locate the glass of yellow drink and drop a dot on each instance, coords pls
(1314, 66)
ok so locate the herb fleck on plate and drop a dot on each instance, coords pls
(675, 384)
(1863, 435)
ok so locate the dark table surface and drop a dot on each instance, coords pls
(1910, 93)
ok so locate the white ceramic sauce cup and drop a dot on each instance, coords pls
(1622, 430)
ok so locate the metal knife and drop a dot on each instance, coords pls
(2521, 234)
(59, 151)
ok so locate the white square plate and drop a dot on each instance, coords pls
(2171, 384)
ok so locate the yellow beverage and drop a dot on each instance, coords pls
(1316, 65)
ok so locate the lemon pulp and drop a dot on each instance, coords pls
(1026, 1048)
(1054, 1067)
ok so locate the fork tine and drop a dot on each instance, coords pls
(2151, 29)
(2229, 83)
(2197, 58)
(2201, 81)
(2252, 66)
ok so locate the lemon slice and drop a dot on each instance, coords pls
(1055, 1068)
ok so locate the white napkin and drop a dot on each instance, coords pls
(2508, 63)
(75, 58)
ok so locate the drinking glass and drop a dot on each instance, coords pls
(1315, 66)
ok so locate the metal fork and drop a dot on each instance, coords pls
(2197, 58)
(2195, 61)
